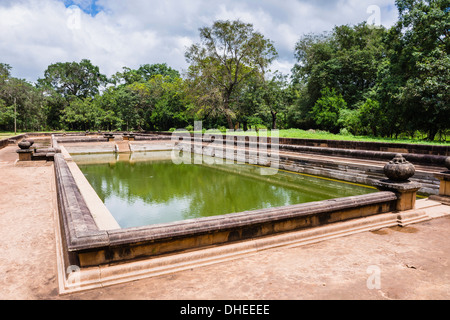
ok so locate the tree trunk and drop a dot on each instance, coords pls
(15, 117)
(226, 102)
(432, 134)
(230, 122)
(274, 119)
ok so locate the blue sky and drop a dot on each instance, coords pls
(115, 33)
(88, 6)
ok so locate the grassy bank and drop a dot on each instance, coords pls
(6, 135)
(323, 135)
(311, 134)
(302, 134)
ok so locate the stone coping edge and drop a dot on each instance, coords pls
(81, 232)
(78, 226)
(416, 158)
(347, 144)
(424, 159)
(246, 218)
(85, 279)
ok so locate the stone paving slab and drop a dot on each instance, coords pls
(412, 262)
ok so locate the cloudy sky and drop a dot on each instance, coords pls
(117, 33)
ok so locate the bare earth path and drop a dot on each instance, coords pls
(27, 237)
(413, 262)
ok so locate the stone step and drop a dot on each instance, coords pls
(123, 146)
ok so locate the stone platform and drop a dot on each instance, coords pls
(413, 261)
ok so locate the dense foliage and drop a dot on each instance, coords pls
(360, 79)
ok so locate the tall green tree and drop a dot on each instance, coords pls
(327, 109)
(230, 52)
(6, 111)
(416, 79)
(277, 97)
(163, 103)
(80, 114)
(21, 104)
(144, 73)
(346, 60)
(5, 72)
(121, 104)
(79, 79)
(148, 71)
(249, 103)
(65, 83)
(266, 98)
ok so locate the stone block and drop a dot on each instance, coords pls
(406, 192)
(444, 188)
(25, 154)
(444, 179)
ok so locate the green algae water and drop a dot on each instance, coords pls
(158, 191)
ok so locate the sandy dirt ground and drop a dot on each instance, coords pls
(410, 263)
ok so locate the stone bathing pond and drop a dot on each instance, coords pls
(127, 211)
(149, 191)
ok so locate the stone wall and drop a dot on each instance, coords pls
(5, 142)
(90, 246)
(439, 150)
(350, 171)
(415, 158)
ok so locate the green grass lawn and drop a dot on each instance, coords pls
(323, 135)
(297, 133)
(6, 135)
(316, 134)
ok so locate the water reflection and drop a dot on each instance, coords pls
(157, 191)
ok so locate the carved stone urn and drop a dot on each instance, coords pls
(398, 169)
(447, 163)
(24, 144)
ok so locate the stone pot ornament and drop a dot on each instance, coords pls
(24, 144)
(447, 163)
(398, 169)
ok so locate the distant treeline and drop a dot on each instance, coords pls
(360, 79)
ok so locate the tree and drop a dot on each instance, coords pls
(64, 83)
(53, 107)
(6, 114)
(230, 52)
(346, 60)
(4, 72)
(148, 71)
(417, 78)
(145, 73)
(121, 102)
(371, 118)
(313, 53)
(6, 111)
(266, 99)
(277, 96)
(79, 114)
(87, 114)
(327, 108)
(68, 79)
(249, 103)
(21, 104)
(162, 102)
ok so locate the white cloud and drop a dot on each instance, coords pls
(117, 33)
